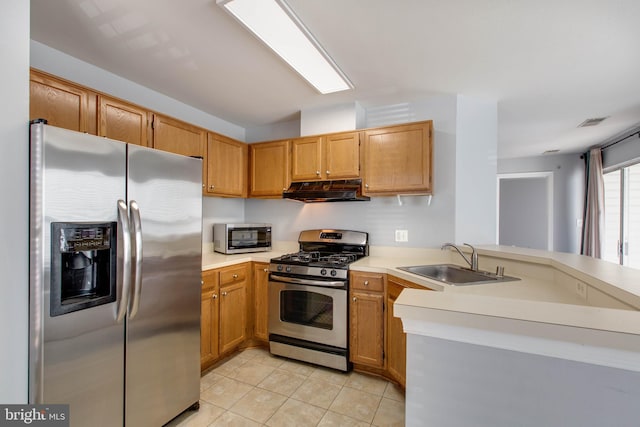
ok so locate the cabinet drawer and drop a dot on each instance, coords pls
(233, 274)
(209, 279)
(368, 282)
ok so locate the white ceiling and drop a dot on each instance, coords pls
(548, 64)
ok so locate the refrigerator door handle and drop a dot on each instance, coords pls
(136, 224)
(123, 223)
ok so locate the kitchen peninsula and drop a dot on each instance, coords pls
(559, 347)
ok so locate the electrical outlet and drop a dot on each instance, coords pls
(402, 235)
(581, 290)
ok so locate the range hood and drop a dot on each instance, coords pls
(345, 190)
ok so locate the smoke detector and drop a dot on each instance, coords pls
(592, 122)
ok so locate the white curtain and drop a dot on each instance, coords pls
(593, 221)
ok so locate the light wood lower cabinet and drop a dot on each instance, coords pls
(366, 337)
(223, 311)
(233, 306)
(261, 301)
(210, 314)
(396, 339)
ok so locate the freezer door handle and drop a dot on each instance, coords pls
(136, 224)
(125, 278)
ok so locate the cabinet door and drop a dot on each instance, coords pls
(209, 315)
(226, 166)
(367, 323)
(61, 103)
(177, 137)
(306, 159)
(396, 338)
(261, 301)
(397, 160)
(233, 315)
(342, 153)
(269, 169)
(121, 121)
(209, 337)
(396, 345)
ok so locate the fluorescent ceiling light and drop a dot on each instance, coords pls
(273, 22)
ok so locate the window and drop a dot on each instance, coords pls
(622, 216)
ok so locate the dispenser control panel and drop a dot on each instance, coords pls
(84, 239)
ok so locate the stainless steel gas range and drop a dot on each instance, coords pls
(308, 297)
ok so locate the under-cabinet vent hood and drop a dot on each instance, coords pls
(347, 190)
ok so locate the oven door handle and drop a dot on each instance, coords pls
(298, 281)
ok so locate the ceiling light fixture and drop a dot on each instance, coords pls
(592, 122)
(273, 22)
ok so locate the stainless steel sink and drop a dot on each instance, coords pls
(456, 275)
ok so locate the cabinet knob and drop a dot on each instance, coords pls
(366, 283)
(366, 186)
(266, 270)
(224, 294)
(327, 172)
(235, 276)
(214, 296)
(318, 173)
(211, 187)
(202, 282)
(354, 299)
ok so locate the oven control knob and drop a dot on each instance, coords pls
(288, 269)
(333, 272)
(323, 271)
(279, 268)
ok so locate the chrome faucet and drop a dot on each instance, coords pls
(473, 262)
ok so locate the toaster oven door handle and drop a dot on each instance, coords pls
(308, 282)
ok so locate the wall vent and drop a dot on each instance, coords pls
(592, 122)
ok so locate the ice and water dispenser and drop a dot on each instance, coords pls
(83, 266)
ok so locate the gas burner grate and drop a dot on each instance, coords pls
(338, 259)
(301, 257)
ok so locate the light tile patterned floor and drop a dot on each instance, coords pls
(254, 388)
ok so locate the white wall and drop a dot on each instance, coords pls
(568, 193)
(14, 191)
(456, 384)
(523, 215)
(336, 118)
(476, 165)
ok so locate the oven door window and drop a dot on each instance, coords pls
(306, 308)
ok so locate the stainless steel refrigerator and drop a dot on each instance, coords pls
(115, 261)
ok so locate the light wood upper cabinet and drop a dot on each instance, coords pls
(306, 159)
(366, 334)
(227, 162)
(122, 121)
(333, 156)
(61, 103)
(342, 155)
(261, 300)
(178, 137)
(269, 169)
(398, 159)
